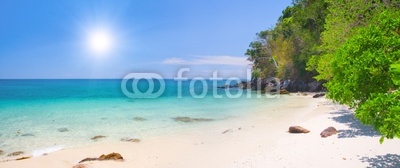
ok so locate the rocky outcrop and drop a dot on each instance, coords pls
(328, 132)
(190, 120)
(274, 84)
(301, 86)
(298, 129)
(111, 156)
(97, 137)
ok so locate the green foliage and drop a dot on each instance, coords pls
(284, 50)
(366, 76)
(342, 21)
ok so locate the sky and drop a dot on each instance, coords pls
(75, 39)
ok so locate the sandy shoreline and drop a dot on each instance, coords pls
(254, 141)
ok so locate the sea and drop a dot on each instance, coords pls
(39, 116)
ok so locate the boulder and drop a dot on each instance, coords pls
(111, 156)
(98, 137)
(328, 132)
(298, 129)
(319, 95)
(1, 152)
(283, 91)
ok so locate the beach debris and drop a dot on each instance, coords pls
(111, 156)
(298, 129)
(63, 129)
(127, 139)
(318, 95)
(22, 158)
(283, 91)
(98, 137)
(16, 153)
(328, 132)
(18, 132)
(1, 152)
(139, 119)
(190, 120)
(28, 134)
(226, 131)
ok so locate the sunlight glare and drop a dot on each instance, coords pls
(100, 42)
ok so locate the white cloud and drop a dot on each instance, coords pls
(209, 60)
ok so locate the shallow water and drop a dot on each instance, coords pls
(41, 116)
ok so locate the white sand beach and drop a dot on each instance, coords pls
(253, 141)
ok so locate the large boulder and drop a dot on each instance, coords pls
(298, 129)
(328, 132)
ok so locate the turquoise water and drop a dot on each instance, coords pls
(32, 112)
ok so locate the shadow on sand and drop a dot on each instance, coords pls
(383, 161)
(356, 128)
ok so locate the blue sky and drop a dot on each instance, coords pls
(50, 39)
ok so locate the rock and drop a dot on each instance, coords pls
(1, 152)
(283, 91)
(189, 120)
(111, 156)
(79, 166)
(22, 158)
(16, 153)
(28, 134)
(130, 140)
(226, 131)
(228, 86)
(63, 130)
(98, 137)
(88, 159)
(285, 84)
(298, 129)
(328, 132)
(315, 86)
(318, 95)
(139, 119)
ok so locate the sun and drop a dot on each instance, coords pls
(100, 41)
